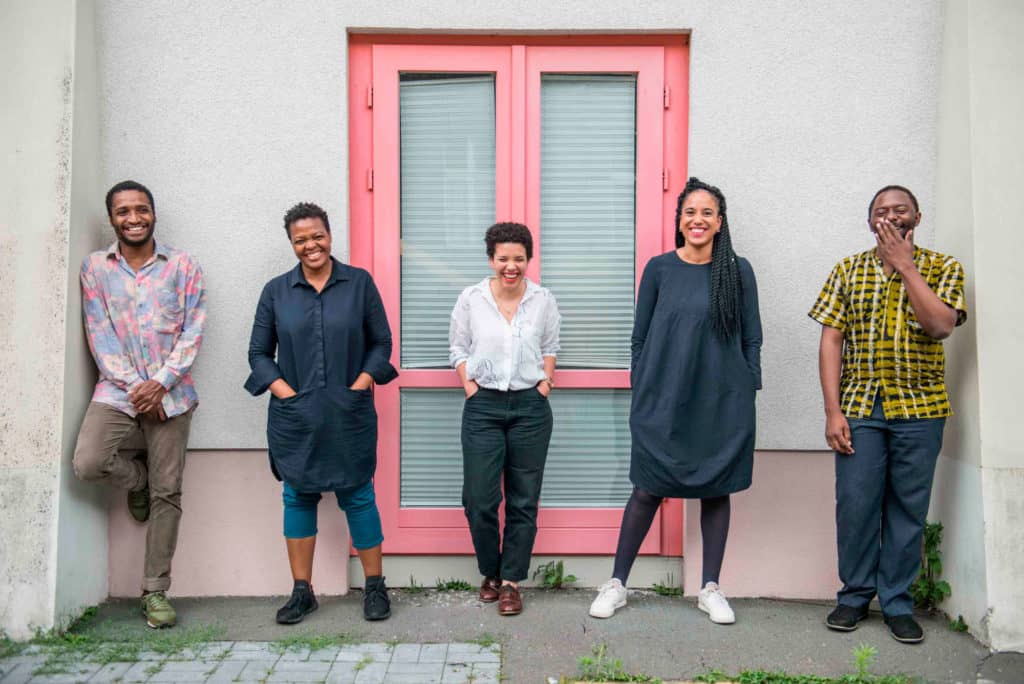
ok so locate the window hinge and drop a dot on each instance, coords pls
(666, 97)
(664, 180)
(369, 97)
(369, 179)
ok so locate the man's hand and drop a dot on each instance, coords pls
(895, 251)
(544, 388)
(147, 396)
(157, 414)
(837, 433)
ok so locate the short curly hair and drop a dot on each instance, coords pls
(304, 210)
(507, 231)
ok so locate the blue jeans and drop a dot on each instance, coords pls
(882, 495)
(360, 506)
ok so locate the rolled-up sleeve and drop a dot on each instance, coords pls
(549, 339)
(460, 339)
(377, 360)
(263, 346)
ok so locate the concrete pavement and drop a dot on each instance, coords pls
(661, 636)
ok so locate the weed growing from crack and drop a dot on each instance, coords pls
(452, 584)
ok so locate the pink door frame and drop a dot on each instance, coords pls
(661, 65)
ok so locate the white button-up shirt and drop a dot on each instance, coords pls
(499, 354)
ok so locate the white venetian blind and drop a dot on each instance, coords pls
(447, 202)
(588, 190)
(588, 460)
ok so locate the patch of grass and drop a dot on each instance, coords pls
(552, 575)
(485, 640)
(599, 666)
(414, 587)
(958, 625)
(669, 588)
(118, 646)
(863, 657)
(452, 584)
(10, 648)
(312, 641)
(361, 665)
(154, 669)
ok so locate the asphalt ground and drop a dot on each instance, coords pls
(667, 637)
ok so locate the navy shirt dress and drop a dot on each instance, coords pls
(692, 418)
(325, 437)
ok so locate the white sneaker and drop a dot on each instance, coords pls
(712, 601)
(610, 596)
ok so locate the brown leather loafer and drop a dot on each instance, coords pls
(489, 589)
(509, 600)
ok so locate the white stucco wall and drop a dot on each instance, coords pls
(980, 481)
(82, 570)
(37, 51)
(232, 112)
(996, 63)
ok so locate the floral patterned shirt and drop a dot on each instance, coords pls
(144, 325)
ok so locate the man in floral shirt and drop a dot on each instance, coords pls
(144, 308)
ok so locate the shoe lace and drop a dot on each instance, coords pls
(606, 589)
(298, 595)
(375, 594)
(157, 601)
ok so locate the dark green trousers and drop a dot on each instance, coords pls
(504, 435)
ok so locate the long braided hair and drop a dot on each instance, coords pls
(725, 295)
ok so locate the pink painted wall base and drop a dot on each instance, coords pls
(781, 542)
(782, 534)
(230, 542)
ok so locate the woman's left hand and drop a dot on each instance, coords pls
(544, 388)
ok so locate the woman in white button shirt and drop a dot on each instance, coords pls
(503, 340)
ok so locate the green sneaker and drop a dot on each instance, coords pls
(138, 504)
(158, 610)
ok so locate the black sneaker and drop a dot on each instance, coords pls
(845, 618)
(904, 628)
(301, 604)
(376, 604)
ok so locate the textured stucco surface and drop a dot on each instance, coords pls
(36, 49)
(82, 520)
(231, 112)
(978, 490)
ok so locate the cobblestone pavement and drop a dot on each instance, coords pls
(262, 661)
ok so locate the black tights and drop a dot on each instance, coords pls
(636, 522)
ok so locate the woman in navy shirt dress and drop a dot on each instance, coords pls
(320, 340)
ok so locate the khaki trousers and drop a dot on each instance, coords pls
(102, 455)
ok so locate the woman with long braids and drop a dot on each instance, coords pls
(696, 364)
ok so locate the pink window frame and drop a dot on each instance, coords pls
(661, 63)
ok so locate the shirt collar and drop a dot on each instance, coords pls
(484, 288)
(159, 250)
(339, 272)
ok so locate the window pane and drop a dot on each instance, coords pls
(447, 202)
(588, 462)
(588, 189)
(431, 429)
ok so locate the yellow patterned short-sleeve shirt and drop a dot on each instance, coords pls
(884, 348)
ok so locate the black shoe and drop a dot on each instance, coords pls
(904, 628)
(845, 618)
(301, 604)
(376, 604)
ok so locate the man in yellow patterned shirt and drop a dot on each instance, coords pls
(884, 314)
